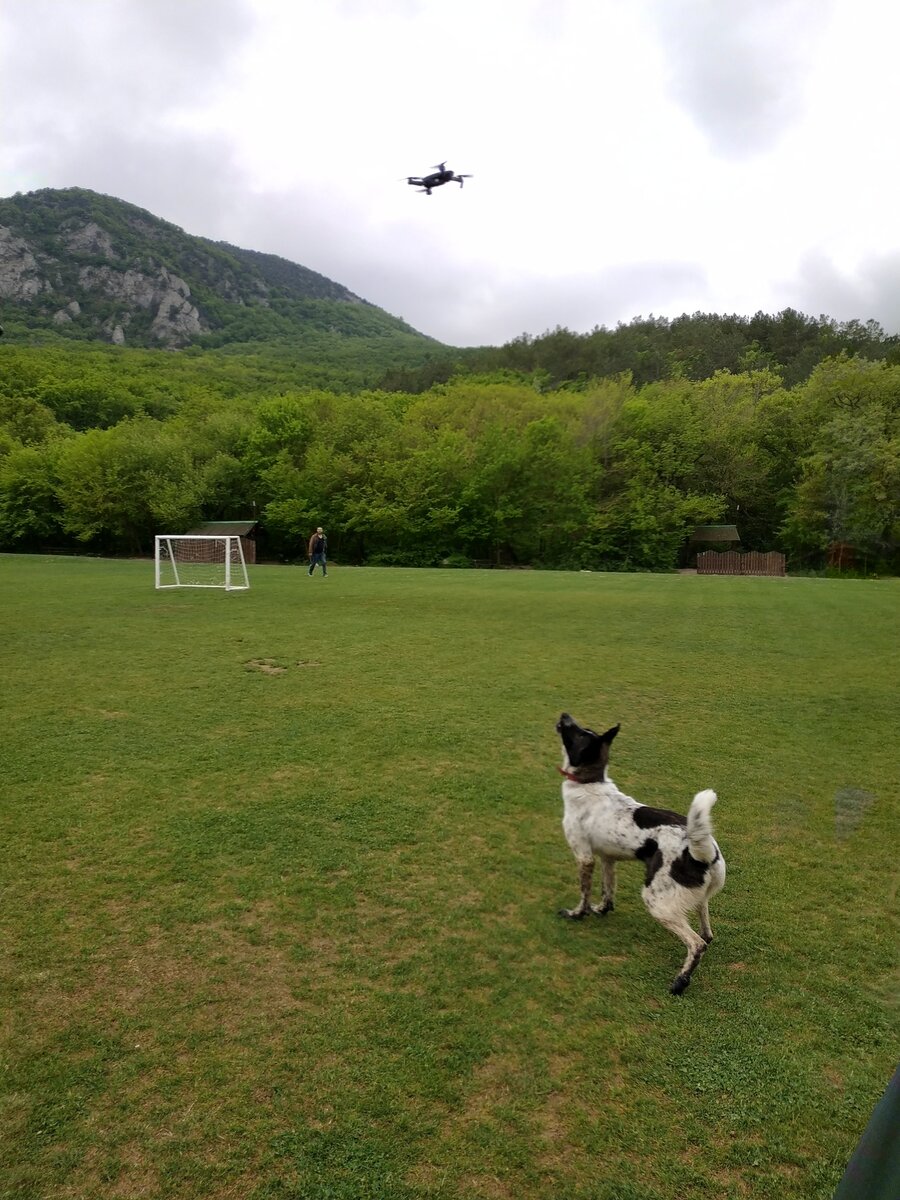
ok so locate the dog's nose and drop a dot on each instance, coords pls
(565, 719)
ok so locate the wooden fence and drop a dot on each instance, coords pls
(734, 562)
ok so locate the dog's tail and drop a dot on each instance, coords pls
(699, 827)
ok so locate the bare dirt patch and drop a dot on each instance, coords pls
(265, 666)
(271, 666)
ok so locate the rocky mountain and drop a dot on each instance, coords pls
(95, 268)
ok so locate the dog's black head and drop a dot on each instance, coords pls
(586, 752)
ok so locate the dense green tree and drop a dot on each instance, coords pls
(846, 428)
(31, 513)
(27, 420)
(120, 486)
(528, 493)
(87, 403)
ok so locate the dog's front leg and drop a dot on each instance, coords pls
(608, 866)
(585, 876)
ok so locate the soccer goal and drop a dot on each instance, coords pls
(200, 560)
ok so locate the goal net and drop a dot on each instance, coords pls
(200, 560)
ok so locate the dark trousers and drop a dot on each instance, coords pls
(317, 559)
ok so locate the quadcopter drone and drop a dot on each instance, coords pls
(440, 175)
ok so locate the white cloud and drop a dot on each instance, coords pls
(738, 67)
(850, 295)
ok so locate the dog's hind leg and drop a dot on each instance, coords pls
(705, 928)
(696, 947)
(585, 878)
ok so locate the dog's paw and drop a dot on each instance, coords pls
(573, 914)
(679, 985)
(600, 910)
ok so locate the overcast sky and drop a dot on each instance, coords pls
(628, 156)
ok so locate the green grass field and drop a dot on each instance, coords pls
(282, 871)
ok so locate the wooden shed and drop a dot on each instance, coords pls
(245, 530)
(714, 549)
(712, 537)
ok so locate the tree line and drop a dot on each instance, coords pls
(692, 346)
(104, 452)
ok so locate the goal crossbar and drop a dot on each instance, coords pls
(207, 560)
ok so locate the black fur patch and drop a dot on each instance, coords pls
(646, 817)
(585, 747)
(688, 871)
(651, 856)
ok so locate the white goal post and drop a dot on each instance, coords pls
(200, 560)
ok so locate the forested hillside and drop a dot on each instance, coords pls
(76, 265)
(101, 449)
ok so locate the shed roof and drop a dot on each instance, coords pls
(235, 528)
(716, 533)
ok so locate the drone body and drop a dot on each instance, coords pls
(438, 177)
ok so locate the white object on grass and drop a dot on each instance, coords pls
(200, 560)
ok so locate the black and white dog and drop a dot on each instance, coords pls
(684, 866)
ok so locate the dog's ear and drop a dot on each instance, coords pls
(610, 734)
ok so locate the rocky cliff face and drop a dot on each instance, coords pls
(20, 277)
(175, 319)
(29, 275)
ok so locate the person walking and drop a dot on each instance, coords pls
(318, 550)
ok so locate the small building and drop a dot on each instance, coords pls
(712, 537)
(714, 551)
(245, 530)
(708, 537)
